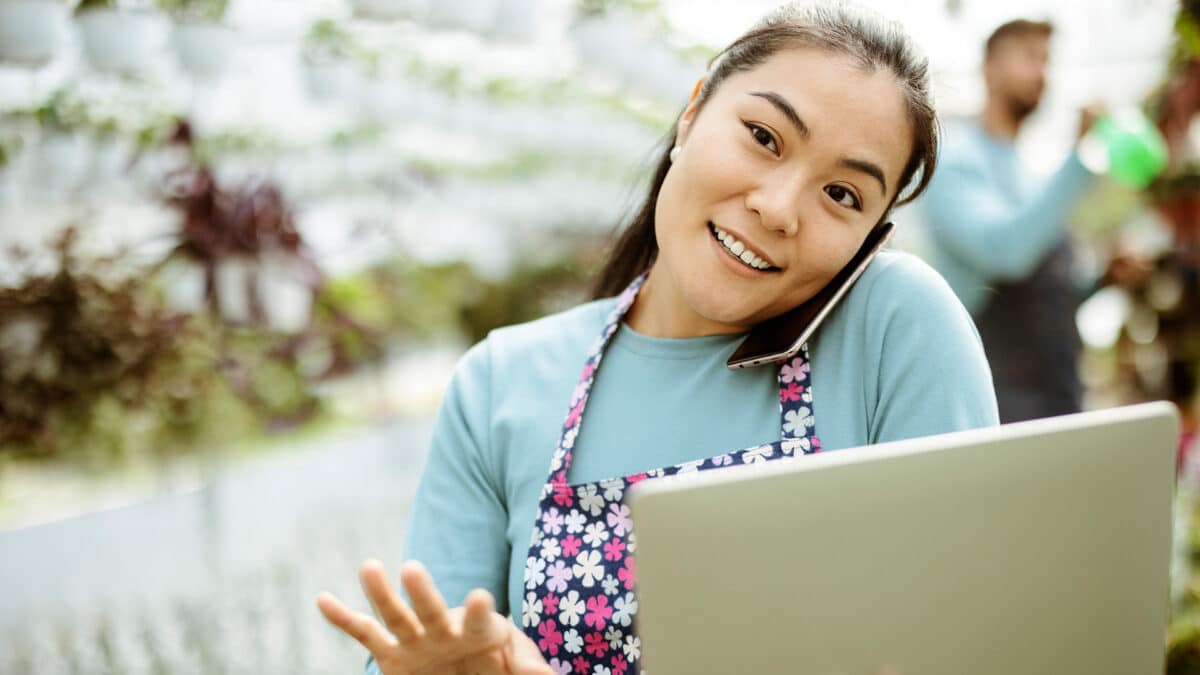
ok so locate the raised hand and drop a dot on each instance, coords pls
(429, 638)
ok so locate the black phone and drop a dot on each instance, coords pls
(781, 337)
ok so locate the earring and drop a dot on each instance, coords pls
(675, 153)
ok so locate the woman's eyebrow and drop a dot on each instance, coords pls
(787, 110)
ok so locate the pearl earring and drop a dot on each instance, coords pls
(675, 153)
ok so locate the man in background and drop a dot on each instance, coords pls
(999, 236)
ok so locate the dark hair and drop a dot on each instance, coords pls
(871, 40)
(1016, 28)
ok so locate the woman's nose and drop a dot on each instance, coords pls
(777, 206)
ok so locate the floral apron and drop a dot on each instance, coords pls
(580, 604)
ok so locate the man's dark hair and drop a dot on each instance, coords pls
(1016, 28)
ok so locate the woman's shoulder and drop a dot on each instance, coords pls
(901, 282)
(545, 342)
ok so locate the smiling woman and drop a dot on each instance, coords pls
(801, 138)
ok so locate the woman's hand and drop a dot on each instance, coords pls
(429, 638)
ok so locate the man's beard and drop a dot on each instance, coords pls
(1020, 109)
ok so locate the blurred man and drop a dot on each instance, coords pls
(999, 236)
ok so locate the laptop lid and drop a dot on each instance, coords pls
(1031, 548)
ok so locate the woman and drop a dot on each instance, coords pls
(803, 135)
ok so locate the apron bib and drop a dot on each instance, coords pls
(580, 600)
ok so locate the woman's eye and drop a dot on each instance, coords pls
(843, 196)
(763, 137)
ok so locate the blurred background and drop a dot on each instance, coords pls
(243, 243)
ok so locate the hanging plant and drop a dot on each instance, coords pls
(198, 11)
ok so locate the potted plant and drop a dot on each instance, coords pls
(118, 37)
(476, 16)
(201, 40)
(328, 53)
(31, 30)
(64, 150)
(389, 10)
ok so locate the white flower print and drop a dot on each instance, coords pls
(631, 542)
(618, 519)
(535, 573)
(601, 670)
(531, 610)
(552, 522)
(595, 535)
(573, 641)
(722, 460)
(610, 585)
(632, 648)
(536, 539)
(588, 568)
(654, 473)
(575, 521)
(570, 609)
(791, 445)
(568, 441)
(691, 467)
(614, 489)
(550, 549)
(559, 574)
(795, 421)
(624, 609)
(614, 637)
(589, 500)
(758, 454)
(806, 396)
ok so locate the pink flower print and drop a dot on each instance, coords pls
(559, 574)
(580, 390)
(790, 393)
(791, 371)
(619, 665)
(581, 665)
(628, 573)
(614, 549)
(551, 639)
(573, 416)
(636, 478)
(618, 519)
(552, 520)
(598, 612)
(571, 545)
(560, 667)
(816, 444)
(722, 460)
(595, 644)
(550, 603)
(564, 496)
(587, 372)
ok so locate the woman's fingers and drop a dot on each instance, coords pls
(357, 625)
(478, 620)
(524, 658)
(427, 602)
(396, 615)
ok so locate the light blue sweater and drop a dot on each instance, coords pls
(899, 358)
(989, 219)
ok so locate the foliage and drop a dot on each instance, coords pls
(195, 10)
(327, 41)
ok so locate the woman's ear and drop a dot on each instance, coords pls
(689, 113)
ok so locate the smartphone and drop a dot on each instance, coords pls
(781, 337)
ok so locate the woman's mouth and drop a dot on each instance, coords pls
(738, 251)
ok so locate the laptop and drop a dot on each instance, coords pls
(1038, 548)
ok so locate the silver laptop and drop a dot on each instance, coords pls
(1039, 548)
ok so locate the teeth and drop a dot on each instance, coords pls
(739, 250)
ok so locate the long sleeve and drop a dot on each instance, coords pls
(1000, 236)
(459, 516)
(930, 375)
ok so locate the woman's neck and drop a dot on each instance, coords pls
(661, 311)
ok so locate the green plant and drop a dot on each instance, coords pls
(195, 10)
(89, 5)
(327, 41)
(61, 112)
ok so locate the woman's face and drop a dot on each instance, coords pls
(793, 161)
